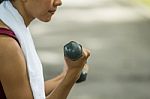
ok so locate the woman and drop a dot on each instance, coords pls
(21, 71)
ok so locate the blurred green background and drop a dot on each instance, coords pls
(145, 2)
(116, 31)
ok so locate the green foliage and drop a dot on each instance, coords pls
(144, 2)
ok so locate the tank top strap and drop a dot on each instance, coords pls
(8, 32)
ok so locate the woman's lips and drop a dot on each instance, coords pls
(52, 11)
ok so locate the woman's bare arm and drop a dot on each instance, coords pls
(51, 84)
(13, 70)
(63, 89)
(72, 74)
(14, 77)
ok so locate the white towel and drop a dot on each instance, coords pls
(11, 17)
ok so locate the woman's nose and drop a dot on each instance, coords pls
(57, 3)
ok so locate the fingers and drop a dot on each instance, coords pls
(86, 53)
(80, 63)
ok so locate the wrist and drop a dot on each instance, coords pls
(74, 70)
(73, 74)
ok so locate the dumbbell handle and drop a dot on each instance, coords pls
(73, 51)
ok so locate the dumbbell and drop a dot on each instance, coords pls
(73, 51)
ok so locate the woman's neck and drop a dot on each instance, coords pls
(19, 5)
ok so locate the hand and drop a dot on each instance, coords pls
(78, 64)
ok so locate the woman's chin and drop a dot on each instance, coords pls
(47, 19)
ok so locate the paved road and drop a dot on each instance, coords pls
(116, 32)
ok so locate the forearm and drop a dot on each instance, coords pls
(63, 89)
(51, 84)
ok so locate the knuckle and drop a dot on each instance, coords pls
(86, 53)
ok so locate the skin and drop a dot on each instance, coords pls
(13, 72)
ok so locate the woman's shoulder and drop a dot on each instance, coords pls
(12, 61)
(11, 55)
(9, 49)
(7, 43)
(6, 31)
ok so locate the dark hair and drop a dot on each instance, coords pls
(3, 0)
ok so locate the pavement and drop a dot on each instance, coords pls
(116, 32)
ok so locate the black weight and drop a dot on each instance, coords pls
(73, 51)
(82, 77)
